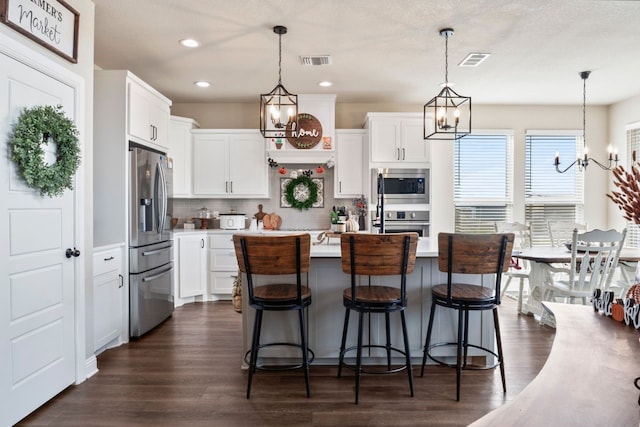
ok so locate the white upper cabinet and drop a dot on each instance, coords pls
(348, 177)
(229, 163)
(180, 151)
(148, 115)
(397, 139)
(117, 97)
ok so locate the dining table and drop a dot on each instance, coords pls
(541, 258)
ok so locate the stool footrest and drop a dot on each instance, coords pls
(464, 364)
(277, 367)
(368, 370)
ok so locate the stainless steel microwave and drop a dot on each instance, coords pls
(401, 185)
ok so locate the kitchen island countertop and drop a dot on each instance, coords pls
(427, 247)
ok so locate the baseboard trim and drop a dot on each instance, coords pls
(91, 366)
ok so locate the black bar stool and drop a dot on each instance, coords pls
(469, 254)
(377, 255)
(271, 256)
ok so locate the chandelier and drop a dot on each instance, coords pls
(448, 115)
(278, 108)
(583, 161)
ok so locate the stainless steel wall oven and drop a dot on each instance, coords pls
(403, 221)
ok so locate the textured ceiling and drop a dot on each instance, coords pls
(382, 50)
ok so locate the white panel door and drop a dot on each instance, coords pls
(37, 341)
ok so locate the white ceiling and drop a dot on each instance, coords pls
(382, 50)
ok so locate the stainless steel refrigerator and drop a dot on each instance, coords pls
(150, 244)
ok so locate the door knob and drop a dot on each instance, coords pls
(72, 252)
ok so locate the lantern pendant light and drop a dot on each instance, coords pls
(448, 115)
(278, 108)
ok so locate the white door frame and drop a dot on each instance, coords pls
(26, 55)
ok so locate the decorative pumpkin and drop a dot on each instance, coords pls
(617, 312)
(634, 292)
(352, 224)
(320, 169)
(282, 170)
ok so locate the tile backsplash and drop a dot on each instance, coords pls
(313, 218)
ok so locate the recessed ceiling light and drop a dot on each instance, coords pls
(202, 83)
(324, 83)
(189, 43)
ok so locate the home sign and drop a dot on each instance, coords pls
(307, 133)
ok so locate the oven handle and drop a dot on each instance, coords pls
(405, 223)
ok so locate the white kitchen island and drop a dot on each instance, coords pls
(326, 313)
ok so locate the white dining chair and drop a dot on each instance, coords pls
(594, 259)
(561, 232)
(518, 269)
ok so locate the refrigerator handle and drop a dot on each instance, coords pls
(162, 213)
(155, 276)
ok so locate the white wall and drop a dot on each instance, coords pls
(516, 117)
(620, 115)
(83, 68)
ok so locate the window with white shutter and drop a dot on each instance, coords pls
(633, 144)
(549, 195)
(483, 171)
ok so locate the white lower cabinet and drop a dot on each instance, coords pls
(108, 297)
(192, 265)
(223, 266)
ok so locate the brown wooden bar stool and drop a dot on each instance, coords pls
(466, 254)
(377, 255)
(271, 256)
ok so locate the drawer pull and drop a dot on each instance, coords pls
(109, 259)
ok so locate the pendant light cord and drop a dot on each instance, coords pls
(584, 112)
(446, 60)
(279, 59)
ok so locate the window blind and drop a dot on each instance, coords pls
(549, 195)
(633, 144)
(483, 170)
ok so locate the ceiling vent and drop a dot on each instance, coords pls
(315, 60)
(474, 59)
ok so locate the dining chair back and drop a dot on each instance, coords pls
(561, 232)
(594, 259)
(518, 269)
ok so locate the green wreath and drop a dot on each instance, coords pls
(302, 185)
(34, 128)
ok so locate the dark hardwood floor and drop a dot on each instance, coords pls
(187, 373)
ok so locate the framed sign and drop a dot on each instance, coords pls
(51, 23)
(308, 132)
